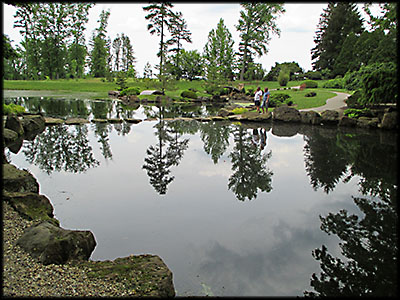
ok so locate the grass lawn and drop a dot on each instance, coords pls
(98, 88)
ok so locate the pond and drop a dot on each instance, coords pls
(232, 209)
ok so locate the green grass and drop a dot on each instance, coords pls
(98, 88)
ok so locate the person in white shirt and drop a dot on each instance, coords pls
(257, 98)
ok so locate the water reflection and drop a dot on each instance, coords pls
(61, 148)
(249, 171)
(368, 243)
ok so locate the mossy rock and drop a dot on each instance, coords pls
(146, 275)
(31, 206)
(16, 180)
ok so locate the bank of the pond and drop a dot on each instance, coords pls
(42, 259)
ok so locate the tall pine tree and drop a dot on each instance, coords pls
(337, 21)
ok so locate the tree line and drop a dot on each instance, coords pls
(54, 44)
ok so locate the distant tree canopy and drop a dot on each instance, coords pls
(292, 68)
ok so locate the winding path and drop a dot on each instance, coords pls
(334, 103)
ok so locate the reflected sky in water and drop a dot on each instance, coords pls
(214, 243)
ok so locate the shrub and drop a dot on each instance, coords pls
(310, 84)
(352, 100)
(189, 94)
(12, 108)
(310, 94)
(279, 97)
(130, 91)
(289, 102)
(283, 77)
(337, 83)
(356, 113)
(239, 110)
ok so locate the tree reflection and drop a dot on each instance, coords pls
(61, 148)
(165, 154)
(325, 162)
(249, 167)
(370, 246)
(215, 139)
(101, 131)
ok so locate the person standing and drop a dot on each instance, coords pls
(257, 98)
(265, 101)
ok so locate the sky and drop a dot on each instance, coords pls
(297, 25)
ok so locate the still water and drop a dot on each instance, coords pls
(232, 209)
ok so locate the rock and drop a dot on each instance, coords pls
(114, 120)
(99, 121)
(14, 123)
(389, 120)
(53, 121)
(287, 114)
(76, 121)
(114, 93)
(51, 244)
(132, 120)
(330, 117)
(15, 180)
(31, 206)
(151, 92)
(33, 125)
(148, 273)
(366, 122)
(223, 112)
(347, 121)
(9, 136)
(284, 129)
(310, 117)
(16, 145)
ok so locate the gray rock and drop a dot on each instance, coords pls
(15, 180)
(389, 120)
(310, 117)
(9, 136)
(33, 125)
(286, 114)
(347, 121)
(76, 121)
(330, 117)
(51, 244)
(31, 206)
(14, 123)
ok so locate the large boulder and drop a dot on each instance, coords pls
(16, 180)
(389, 120)
(346, 121)
(9, 136)
(14, 123)
(330, 117)
(33, 125)
(286, 114)
(310, 117)
(31, 206)
(51, 244)
(147, 274)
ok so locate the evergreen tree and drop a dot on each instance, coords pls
(179, 33)
(100, 47)
(219, 53)
(257, 21)
(337, 21)
(160, 17)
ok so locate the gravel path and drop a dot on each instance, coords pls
(25, 277)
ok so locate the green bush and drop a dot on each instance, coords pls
(12, 108)
(310, 84)
(283, 78)
(356, 113)
(130, 91)
(281, 97)
(310, 94)
(289, 102)
(239, 110)
(337, 83)
(189, 94)
(352, 100)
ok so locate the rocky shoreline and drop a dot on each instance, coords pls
(42, 259)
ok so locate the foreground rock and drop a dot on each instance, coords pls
(51, 244)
